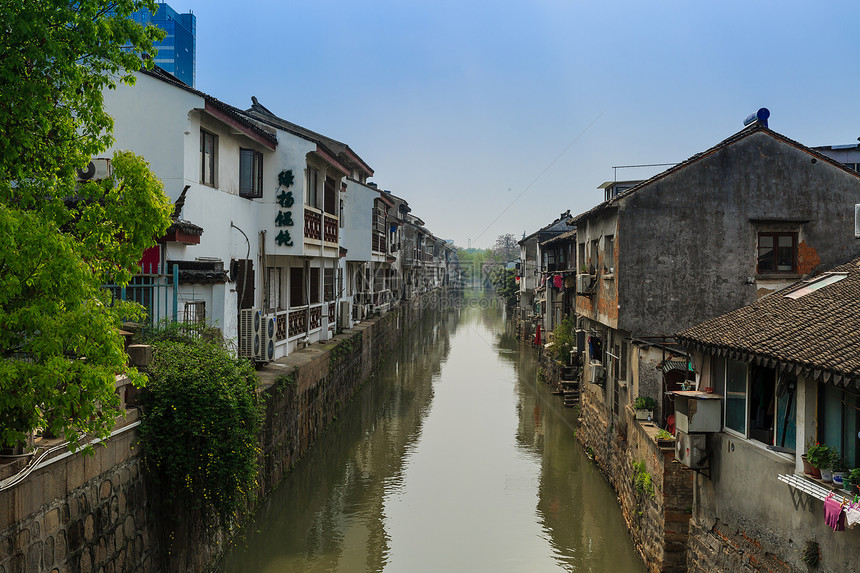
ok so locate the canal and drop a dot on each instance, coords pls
(454, 457)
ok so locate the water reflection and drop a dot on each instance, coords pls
(453, 458)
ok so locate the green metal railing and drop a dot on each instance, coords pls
(157, 292)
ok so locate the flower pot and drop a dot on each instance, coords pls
(837, 479)
(642, 414)
(826, 475)
(808, 469)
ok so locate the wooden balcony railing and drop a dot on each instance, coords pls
(378, 244)
(313, 225)
(330, 226)
(316, 317)
(298, 322)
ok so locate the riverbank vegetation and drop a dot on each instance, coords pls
(200, 427)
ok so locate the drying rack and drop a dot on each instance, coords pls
(813, 489)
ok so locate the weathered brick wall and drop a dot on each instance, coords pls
(80, 514)
(723, 548)
(658, 525)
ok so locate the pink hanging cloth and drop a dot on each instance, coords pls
(833, 516)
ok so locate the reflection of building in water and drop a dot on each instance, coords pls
(331, 506)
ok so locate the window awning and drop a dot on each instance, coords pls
(668, 365)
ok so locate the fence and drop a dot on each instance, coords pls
(156, 291)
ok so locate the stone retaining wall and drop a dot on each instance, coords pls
(92, 513)
(658, 525)
(80, 513)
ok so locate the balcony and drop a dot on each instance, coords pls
(313, 225)
(330, 227)
(379, 244)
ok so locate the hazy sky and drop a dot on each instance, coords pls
(495, 117)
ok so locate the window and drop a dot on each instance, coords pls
(760, 403)
(208, 158)
(315, 285)
(777, 253)
(297, 286)
(609, 253)
(330, 196)
(313, 187)
(250, 173)
(623, 362)
(194, 312)
(839, 422)
(736, 396)
(274, 294)
(328, 284)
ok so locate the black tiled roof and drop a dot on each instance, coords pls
(817, 333)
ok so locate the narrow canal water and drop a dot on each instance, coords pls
(454, 457)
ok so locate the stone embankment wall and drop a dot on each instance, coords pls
(658, 524)
(91, 514)
(79, 513)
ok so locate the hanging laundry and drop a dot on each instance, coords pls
(833, 515)
(556, 281)
(542, 280)
(595, 348)
(852, 515)
(537, 335)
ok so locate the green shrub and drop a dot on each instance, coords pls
(564, 339)
(644, 403)
(642, 482)
(199, 431)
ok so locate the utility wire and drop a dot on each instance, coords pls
(541, 174)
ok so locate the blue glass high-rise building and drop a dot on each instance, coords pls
(177, 52)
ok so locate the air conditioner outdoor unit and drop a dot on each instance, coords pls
(691, 449)
(583, 283)
(96, 170)
(269, 335)
(598, 374)
(250, 331)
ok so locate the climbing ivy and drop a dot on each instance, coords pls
(199, 431)
(642, 481)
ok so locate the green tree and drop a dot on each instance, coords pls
(60, 349)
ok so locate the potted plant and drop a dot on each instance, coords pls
(854, 480)
(839, 474)
(664, 438)
(817, 455)
(644, 406)
(828, 463)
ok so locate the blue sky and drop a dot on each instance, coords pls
(494, 117)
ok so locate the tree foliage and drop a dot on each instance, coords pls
(59, 346)
(506, 248)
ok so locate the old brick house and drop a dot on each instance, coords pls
(749, 216)
(788, 367)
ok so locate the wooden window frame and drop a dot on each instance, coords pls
(212, 180)
(775, 235)
(256, 176)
